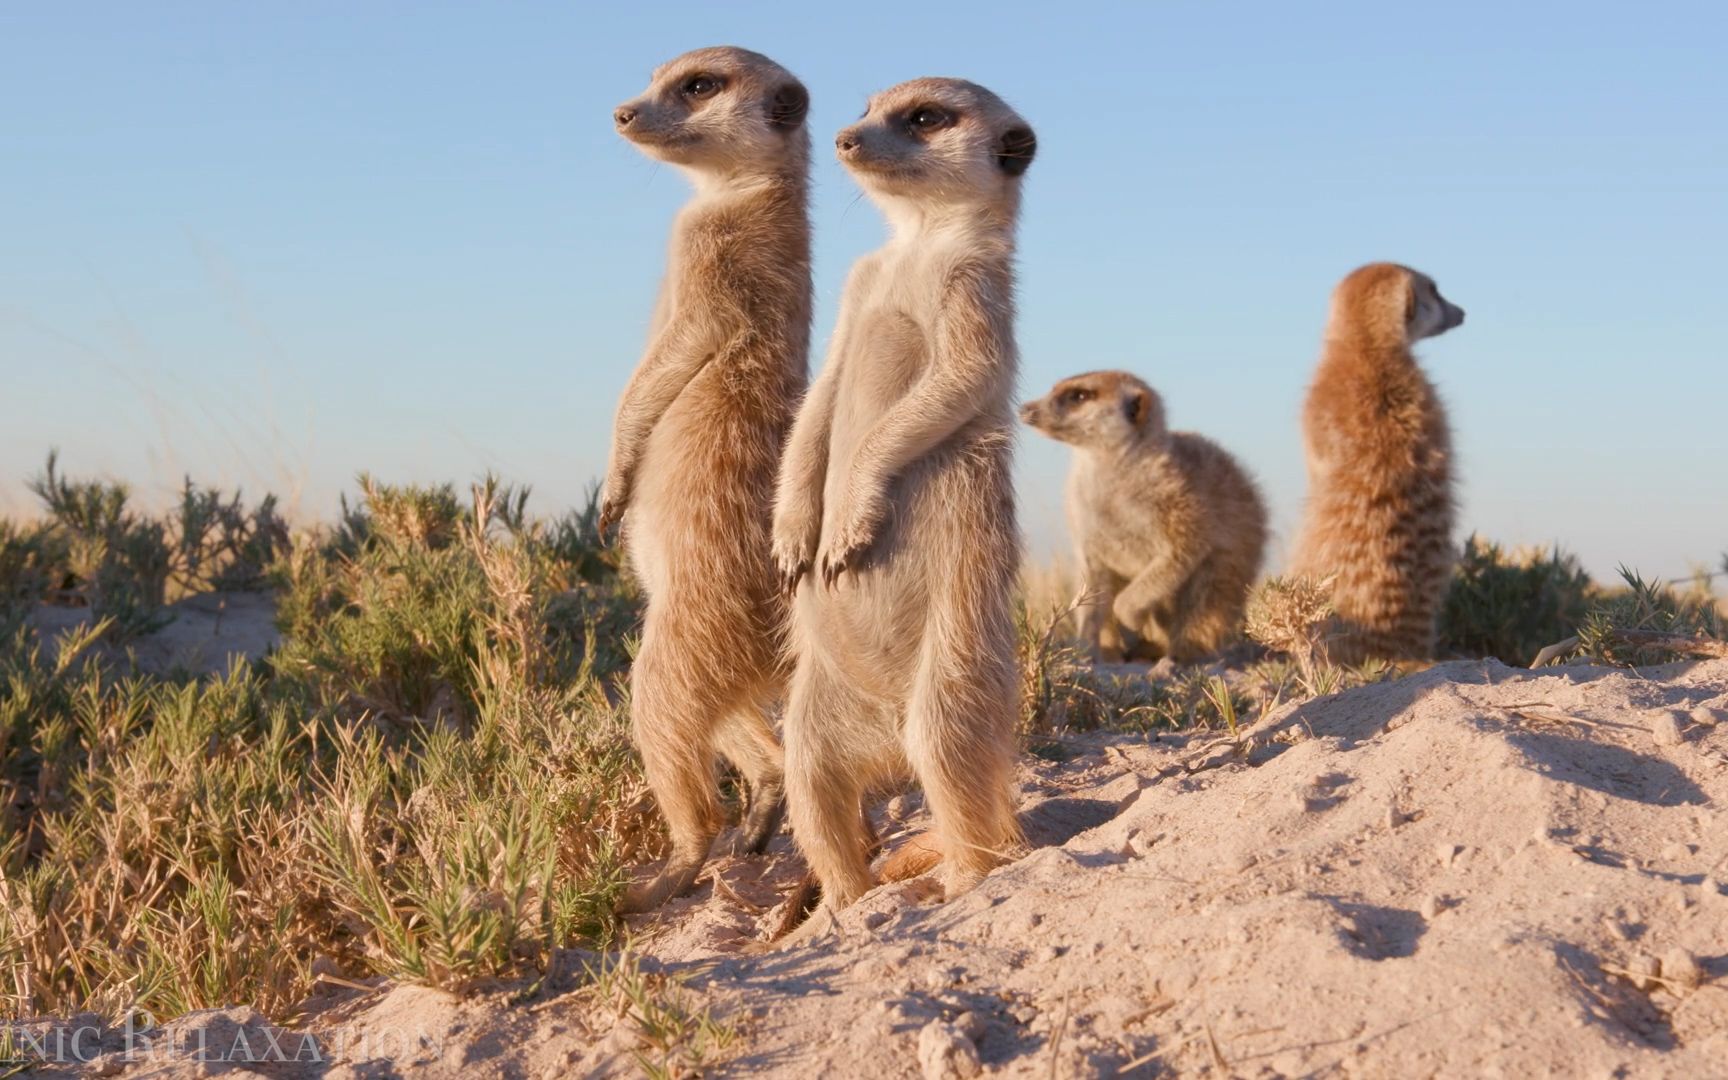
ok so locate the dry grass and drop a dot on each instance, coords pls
(431, 779)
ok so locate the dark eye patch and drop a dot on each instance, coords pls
(924, 119)
(702, 85)
(1077, 395)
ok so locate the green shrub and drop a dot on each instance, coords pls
(1510, 605)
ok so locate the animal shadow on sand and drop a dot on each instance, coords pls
(1607, 768)
(1374, 932)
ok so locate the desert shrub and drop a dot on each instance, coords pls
(217, 543)
(1648, 622)
(33, 560)
(431, 779)
(1510, 605)
(95, 550)
(117, 562)
(463, 853)
(393, 612)
(1293, 616)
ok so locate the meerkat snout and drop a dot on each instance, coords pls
(622, 116)
(1097, 409)
(1431, 314)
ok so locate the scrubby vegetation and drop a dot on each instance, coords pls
(431, 778)
(1511, 605)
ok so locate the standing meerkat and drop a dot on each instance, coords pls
(1168, 528)
(1378, 523)
(895, 497)
(696, 442)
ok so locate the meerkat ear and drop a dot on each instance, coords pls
(1018, 147)
(1136, 405)
(788, 106)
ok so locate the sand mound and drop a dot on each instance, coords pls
(1472, 871)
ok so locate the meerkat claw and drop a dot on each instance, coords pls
(609, 515)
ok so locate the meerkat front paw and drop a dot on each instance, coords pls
(614, 500)
(794, 548)
(857, 526)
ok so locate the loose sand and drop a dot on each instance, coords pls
(1474, 871)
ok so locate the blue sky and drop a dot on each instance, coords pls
(275, 244)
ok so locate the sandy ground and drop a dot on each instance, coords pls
(1474, 871)
(205, 633)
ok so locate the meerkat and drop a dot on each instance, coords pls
(895, 499)
(1378, 522)
(1168, 528)
(697, 438)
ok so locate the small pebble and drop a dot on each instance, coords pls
(970, 1024)
(1669, 729)
(1446, 852)
(1432, 906)
(1709, 717)
(1682, 969)
(945, 1053)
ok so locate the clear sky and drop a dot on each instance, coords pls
(273, 244)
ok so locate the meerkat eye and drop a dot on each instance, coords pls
(1077, 396)
(927, 118)
(701, 86)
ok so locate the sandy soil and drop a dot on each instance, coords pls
(204, 634)
(1474, 871)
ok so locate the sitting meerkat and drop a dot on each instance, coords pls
(696, 443)
(1168, 529)
(896, 499)
(1378, 523)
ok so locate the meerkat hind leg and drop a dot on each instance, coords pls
(964, 762)
(747, 740)
(824, 782)
(679, 759)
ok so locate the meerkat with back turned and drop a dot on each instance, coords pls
(1378, 522)
(697, 438)
(896, 500)
(1168, 528)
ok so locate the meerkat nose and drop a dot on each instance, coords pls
(845, 142)
(623, 116)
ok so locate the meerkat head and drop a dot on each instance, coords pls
(721, 110)
(1098, 410)
(938, 140)
(1392, 304)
